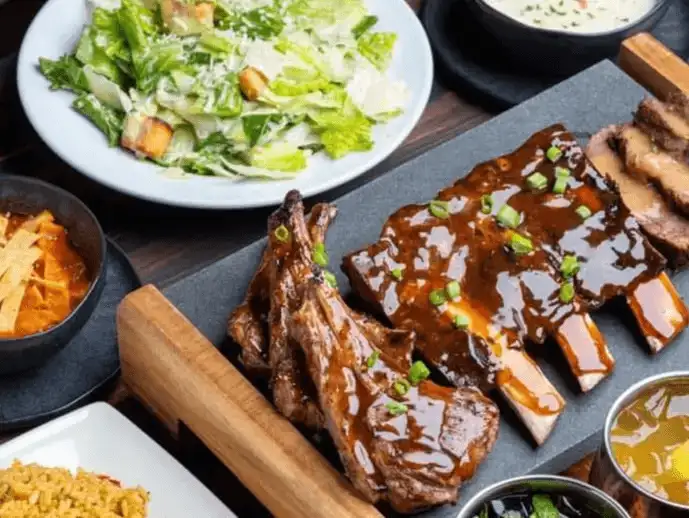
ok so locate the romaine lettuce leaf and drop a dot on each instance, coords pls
(298, 81)
(263, 22)
(88, 53)
(343, 131)
(377, 47)
(108, 120)
(182, 144)
(317, 14)
(255, 126)
(279, 157)
(137, 23)
(223, 99)
(65, 73)
(156, 61)
(217, 43)
(364, 25)
(109, 37)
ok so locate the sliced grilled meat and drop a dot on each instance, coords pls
(413, 445)
(666, 126)
(668, 231)
(643, 158)
(248, 323)
(657, 306)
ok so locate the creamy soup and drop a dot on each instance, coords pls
(575, 15)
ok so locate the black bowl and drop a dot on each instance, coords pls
(554, 52)
(30, 196)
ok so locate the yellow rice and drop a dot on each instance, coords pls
(32, 491)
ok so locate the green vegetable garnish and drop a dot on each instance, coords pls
(583, 211)
(553, 154)
(461, 321)
(486, 204)
(319, 255)
(560, 185)
(452, 289)
(569, 266)
(397, 274)
(364, 25)
(508, 217)
(544, 507)
(373, 359)
(330, 279)
(437, 297)
(396, 408)
(567, 292)
(401, 386)
(440, 209)
(520, 245)
(537, 181)
(282, 234)
(562, 172)
(418, 372)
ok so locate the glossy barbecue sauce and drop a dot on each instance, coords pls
(439, 437)
(506, 297)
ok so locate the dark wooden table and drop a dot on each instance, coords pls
(166, 244)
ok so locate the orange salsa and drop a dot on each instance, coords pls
(42, 277)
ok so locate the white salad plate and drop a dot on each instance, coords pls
(99, 439)
(55, 31)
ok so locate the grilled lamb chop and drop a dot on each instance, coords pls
(658, 308)
(413, 446)
(643, 159)
(666, 125)
(504, 293)
(247, 325)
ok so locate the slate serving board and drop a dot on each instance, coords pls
(590, 100)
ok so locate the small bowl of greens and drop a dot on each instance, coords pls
(542, 496)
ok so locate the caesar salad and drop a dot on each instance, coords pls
(232, 88)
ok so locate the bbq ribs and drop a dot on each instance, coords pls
(412, 444)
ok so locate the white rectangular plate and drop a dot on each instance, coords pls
(98, 438)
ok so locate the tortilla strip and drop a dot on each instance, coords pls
(31, 225)
(10, 308)
(19, 272)
(48, 284)
(21, 241)
(4, 223)
(58, 299)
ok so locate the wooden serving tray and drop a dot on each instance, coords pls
(183, 378)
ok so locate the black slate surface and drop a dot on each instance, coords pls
(86, 364)
(469, 59)
(599, 96)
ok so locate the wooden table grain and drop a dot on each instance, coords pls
(166, 244)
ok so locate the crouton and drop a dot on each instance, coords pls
(147, 136)
(252, 82)
(187, 18)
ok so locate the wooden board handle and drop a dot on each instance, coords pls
(654, 66)
(181, 376)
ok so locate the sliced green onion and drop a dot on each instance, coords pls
(569, 266)
(418, 372)
(554, 153)
(397, 273)
(437, 297)
(282, 234)
(520, 245)
(319, 255)
(486, 204)
(373, 359)
(562, 172)
(440, 209)
(461, 321)
(452, 289)
(560, 184)
(330, 279)
(537, 181)
(508, 217)
(583, 211)
(567, 292)
(396, 408)
(401, 386)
